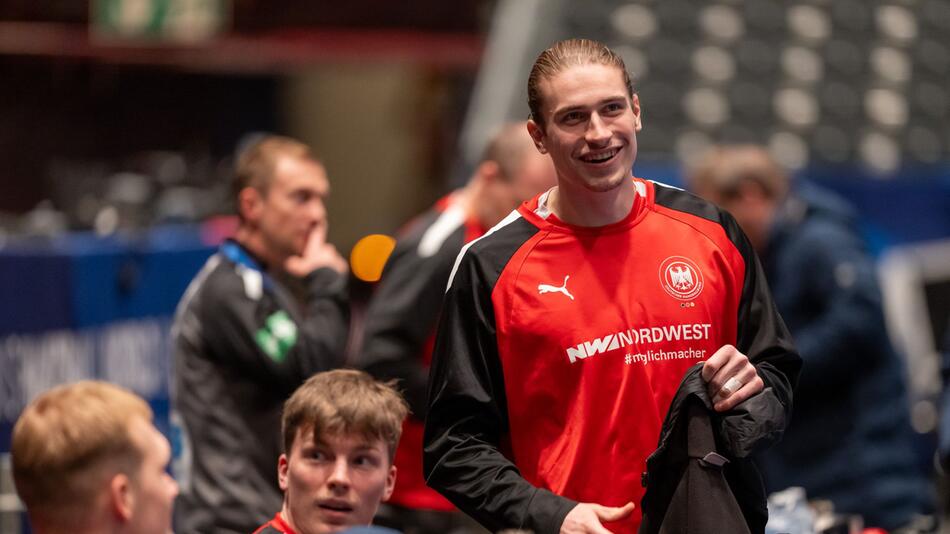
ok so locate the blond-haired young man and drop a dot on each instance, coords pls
(566, 330)
(340, 432)
(87, 459)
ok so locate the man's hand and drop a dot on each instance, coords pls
(731, 378)
(586, 518)
(318, 253)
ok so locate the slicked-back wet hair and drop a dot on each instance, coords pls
(570, 53)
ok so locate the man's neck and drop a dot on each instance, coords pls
(284, 517)
(87, 528)
(254, 243)
(477, 206)
(582, 207)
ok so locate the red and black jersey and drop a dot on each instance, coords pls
(400, 328)
(560, 348)
(275, 526)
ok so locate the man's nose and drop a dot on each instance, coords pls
(340, 474)
(173, 486)
(597, 131)
(316, 210)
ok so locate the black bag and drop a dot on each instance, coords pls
(702, 501)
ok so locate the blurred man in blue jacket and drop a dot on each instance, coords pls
(849, 439)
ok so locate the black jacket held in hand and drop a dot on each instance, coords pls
(700, 478)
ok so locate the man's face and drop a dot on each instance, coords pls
(292, 205)
(334, 483)
(590, 126)
(749, 205)
(153, 488)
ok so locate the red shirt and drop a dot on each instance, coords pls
(561, 347)
(593, 334)
(274, 526)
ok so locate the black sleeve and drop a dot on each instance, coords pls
(762, 334)
(467, 417)
(261, 338)
(403, 315)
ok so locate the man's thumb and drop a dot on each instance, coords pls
(614, 513)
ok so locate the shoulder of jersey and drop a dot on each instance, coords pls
(677, 199)
(498, 244)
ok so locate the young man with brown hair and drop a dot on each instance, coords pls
(567, 329)
(244, 340)
(340, 432)
(87, 459)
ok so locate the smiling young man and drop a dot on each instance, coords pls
(567, 328)
(244, 340)
(340, 431)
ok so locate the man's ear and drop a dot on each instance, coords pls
(390, 483)
(751, 191)
(121, 497)
(489, 171)
(283, 466)
(635, 106)
(537, 134)
(251, 203)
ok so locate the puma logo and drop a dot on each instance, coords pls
(546, 288)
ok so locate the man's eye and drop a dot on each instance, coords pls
(614, 107)
(572, 117)
(365, 461)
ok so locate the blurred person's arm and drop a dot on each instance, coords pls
(403, 315)
(247, 325)
(841, 313)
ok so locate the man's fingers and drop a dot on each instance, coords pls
(614, 513)
(750, 388)
(715, 362)
(317, 238)
(321, 232)
(730, 378)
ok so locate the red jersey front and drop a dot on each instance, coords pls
(561, 348)
(277, 525)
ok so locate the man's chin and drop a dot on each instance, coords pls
(327, 527)
(604, 184)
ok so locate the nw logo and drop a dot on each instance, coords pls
(545, 288)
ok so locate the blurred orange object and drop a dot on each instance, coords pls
(369, 256)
